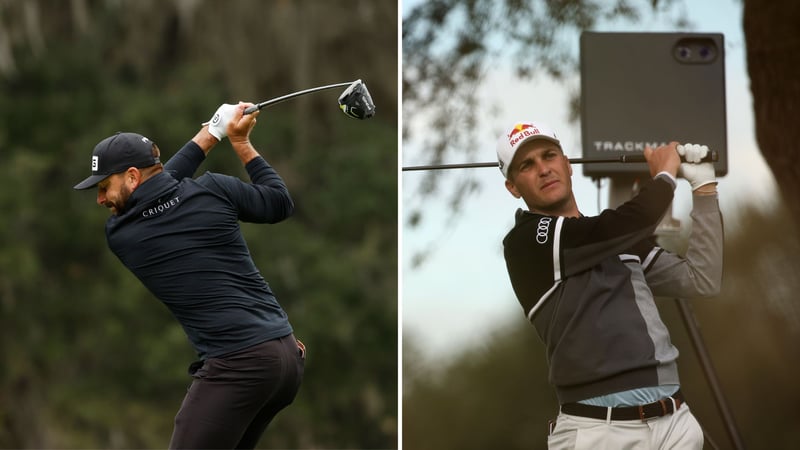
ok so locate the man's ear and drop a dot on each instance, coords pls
(512, 189)
(133, 177)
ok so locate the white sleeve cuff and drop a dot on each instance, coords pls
(667, 177)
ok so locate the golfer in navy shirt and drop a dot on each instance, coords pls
(181, 237)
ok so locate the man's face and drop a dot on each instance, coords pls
(542, 176)
(113, 192)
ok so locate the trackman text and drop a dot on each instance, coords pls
(627, 146)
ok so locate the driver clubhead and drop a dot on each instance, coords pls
(356, 102)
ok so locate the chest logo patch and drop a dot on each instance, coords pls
(542, 228)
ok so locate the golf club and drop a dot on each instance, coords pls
(355, 101)
(712, 156)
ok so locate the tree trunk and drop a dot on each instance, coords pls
(773, 63)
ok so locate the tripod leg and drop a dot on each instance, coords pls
(708, 370)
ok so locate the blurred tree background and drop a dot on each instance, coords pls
(498, 391)
(88, 358)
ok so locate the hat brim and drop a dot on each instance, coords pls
(90, 182)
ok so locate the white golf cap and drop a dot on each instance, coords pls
(513, 138)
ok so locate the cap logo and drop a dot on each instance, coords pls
(519, 127)
(95, 163)
(521, 131)
(145, 140)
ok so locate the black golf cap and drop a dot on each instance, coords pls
(116, 154)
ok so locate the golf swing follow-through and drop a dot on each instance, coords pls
(182, 239)
(588, 286)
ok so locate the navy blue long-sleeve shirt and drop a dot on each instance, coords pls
(181, 238)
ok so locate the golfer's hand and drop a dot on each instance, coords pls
(239, 132)
(695, 172)
(218, 125)
(663, 159)
(241, 124)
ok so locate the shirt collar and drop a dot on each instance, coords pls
(151, 188)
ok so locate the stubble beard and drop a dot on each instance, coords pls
(119, 205)
(556, 207)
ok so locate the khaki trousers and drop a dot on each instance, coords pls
(679, 430)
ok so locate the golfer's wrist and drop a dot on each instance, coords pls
(706, 189)
(205, 140)
(668, 177)
(245, 150)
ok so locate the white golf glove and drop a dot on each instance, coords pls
(218, 124)
(696, 173)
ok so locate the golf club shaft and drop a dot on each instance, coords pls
(634, 158)
(292, 95)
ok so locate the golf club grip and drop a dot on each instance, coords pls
(712, 156)
(251, 109)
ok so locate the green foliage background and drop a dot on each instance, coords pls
(88, 357)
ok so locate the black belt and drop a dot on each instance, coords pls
(660, 408)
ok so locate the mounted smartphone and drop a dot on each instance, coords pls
(651, 88)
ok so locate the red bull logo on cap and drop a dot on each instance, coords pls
(521, 131)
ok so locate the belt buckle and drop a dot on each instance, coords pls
(664, 411)
(642, 416)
